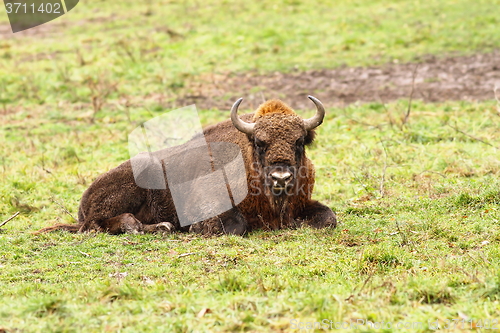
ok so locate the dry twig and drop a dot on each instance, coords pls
(382, 179)
(407, 115)
(472, 137)
(100, 90)
(366, 281)
(63, 208)
(403, 235)
(85, 254)
(379, 127)
(497, 98)
(185, 254)
(10, 218)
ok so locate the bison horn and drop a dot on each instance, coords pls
(317, 119)
(242, 126)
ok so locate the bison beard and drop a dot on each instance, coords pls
(280, 180)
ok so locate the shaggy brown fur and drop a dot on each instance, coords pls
(115, 204)
(272, 106)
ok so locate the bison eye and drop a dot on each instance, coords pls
(300, 142)
(260, 143)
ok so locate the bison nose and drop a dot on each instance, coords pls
(281, 179)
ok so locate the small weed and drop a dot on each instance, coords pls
(231, 283)
(433, 295)
(364, 211)
(45, 306)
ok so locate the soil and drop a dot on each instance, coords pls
(436, 79)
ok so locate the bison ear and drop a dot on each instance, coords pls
(309, 138)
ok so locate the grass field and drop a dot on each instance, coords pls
(418, 201)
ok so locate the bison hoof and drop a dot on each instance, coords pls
(163, 227)
(196, 228)
(231, 222)
(129, 224)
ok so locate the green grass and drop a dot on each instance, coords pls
(138, 50)
(418, 203)
(420, 245)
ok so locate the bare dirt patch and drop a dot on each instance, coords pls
(470, 78)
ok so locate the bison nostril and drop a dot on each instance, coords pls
(281, 178)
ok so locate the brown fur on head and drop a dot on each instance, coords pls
(272, 106)
(279, 135)
(278, 139)
(276, 106)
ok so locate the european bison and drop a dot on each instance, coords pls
(279, 181)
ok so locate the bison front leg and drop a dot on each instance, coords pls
(231, 222)
(317, 215)
(128, 224)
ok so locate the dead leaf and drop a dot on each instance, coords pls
(203, 312)
(119, 276)
(166, 306)
(147, 280)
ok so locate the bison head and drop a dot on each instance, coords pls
(279, 136)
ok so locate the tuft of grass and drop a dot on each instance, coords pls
(478, 201)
